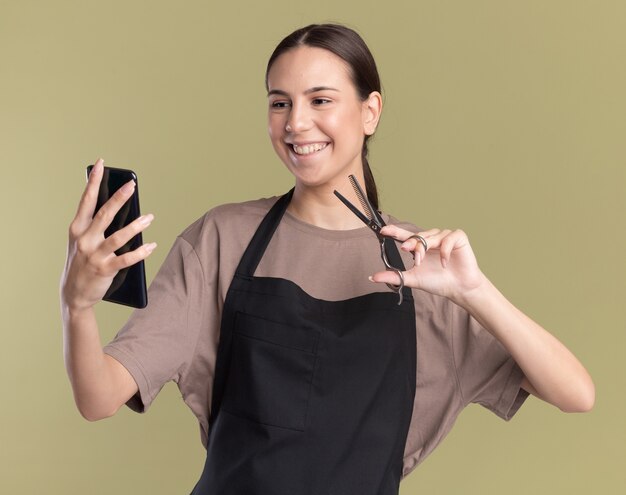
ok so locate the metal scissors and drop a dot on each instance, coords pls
(374, 221)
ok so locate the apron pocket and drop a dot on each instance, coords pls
(270, 372)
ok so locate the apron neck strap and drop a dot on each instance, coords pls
(255, 250)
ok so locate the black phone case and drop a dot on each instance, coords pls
(129, 285)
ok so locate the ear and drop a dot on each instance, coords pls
(372, 108)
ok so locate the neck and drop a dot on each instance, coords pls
(320, 207)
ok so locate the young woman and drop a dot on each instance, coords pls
(275, 319)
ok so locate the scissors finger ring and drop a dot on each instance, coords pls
(398, 288)
(421, 239)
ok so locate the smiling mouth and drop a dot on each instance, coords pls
(308, 149)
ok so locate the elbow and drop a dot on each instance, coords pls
(92, 418)
(93, 414)
(583, 401)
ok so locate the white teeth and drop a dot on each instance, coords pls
(309, 148)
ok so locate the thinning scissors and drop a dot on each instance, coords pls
(374, 221)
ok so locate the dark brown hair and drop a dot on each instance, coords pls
(350, 47)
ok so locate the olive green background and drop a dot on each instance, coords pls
(504, 118)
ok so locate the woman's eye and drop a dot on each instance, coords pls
(279, 104)
(320, 101)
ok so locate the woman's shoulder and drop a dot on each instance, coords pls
(238, 211)
(228, 217)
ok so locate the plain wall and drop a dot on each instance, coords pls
(503, 118)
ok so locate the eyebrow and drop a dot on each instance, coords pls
(314, 89)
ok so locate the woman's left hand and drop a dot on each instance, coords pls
(448, 268)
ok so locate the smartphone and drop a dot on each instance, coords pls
(129, 285)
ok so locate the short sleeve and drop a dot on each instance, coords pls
(157, 343)
(487, 373)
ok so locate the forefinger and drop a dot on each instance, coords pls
(403, 235)
(409, 241)
(398, 233)
(89, 198)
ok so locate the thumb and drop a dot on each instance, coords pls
(386, 277)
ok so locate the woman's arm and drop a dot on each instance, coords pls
(101, 385)
(449, 268)
(551, 371)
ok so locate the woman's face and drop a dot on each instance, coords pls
(317, 122)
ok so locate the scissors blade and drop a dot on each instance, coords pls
(362, 197)
(374, 216)
(379, 219)
(353, 208)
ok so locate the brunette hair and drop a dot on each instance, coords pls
(350, 47)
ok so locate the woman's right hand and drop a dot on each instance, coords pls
(91, 262)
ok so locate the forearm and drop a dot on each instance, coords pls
(86, 364)
(552, 370)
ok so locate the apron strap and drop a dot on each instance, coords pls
(255, 250)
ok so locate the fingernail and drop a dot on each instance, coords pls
(150, 247)
(418, 257)
(370, 279)
(129, 186)
(146, 219)
(98, 165)
(444, 262)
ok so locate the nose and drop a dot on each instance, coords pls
(299, 119)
